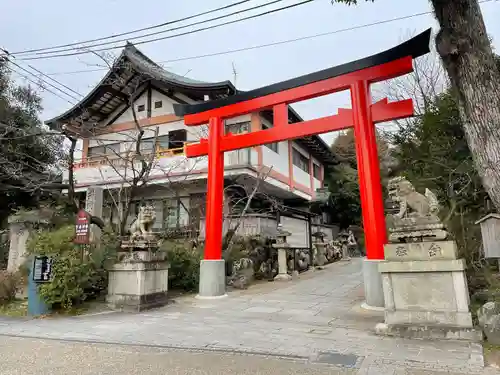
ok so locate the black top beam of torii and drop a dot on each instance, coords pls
(414, 47)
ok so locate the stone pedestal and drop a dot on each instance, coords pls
(212, 279)
(138, 281)
(425, 291)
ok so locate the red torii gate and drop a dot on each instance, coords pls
(355, 76)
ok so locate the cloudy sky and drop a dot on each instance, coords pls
(29, 24)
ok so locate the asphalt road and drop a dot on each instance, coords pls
(34, 356)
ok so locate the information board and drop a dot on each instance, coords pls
(82, 227)
(42, 269)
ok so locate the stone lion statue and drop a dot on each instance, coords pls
(417, 216)
(411, 202)
(142, 226)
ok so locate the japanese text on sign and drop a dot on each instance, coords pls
(42, 269)
(82, 227)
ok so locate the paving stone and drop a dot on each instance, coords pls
(317, 314)
(263, 309)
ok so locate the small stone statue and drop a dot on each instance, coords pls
(411, 202)
(416, 219)
(142, 227)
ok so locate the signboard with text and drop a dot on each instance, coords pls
(42, 269)
(82, 227)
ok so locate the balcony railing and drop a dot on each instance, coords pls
(124, 158)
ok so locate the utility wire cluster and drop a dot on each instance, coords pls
(106, 43)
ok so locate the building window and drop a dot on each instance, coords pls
(112, 149)
(316, 171)
(162, 142)
(175, 214)
(141, 108)
(271, 146)
(238, 128)
(177, 138)
(147, 145)
(300, 161)
(158, 104)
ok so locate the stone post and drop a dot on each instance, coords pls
(93, 205)
(20, 227)
(282, 247)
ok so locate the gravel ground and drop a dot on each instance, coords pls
(34, 356)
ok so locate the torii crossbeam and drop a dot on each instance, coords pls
(355, 76)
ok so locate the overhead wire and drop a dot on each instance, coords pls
(8, 56)
(272, 44)
(132, 31)
(170, 36)
(45, 82)
(39, 85)
(153, 33)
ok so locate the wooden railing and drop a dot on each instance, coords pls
(124, 158)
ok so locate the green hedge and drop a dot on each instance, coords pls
(77, 276)
(184, 259)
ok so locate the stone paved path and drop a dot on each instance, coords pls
(316, 318)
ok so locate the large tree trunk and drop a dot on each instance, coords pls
(468, 58)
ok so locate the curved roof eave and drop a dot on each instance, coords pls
(140, 63)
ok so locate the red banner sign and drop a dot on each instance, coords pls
(82, 228)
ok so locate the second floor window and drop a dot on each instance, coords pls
(300, 161)
(173, 140)
(177, 138)
(162, 142)
(272, 146)
(108, 150)
(147, 145)
(238, 128)
(316, 171)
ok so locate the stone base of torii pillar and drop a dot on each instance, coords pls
(372, 279)
(212, 279)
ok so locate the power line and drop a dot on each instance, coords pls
(45, 82)
(156, 32)
(133, 31)
(39, 85)
(45, 75)
(171, 36)
(286, 41)
(54, 80)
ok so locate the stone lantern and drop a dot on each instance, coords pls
(319, 249)
(282, 247)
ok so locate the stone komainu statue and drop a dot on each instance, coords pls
(142, 227)
(417, 217)
(411, 202)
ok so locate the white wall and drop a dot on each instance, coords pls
(128, 115)
(299, 175)
(167, 104)
(316, 182)
(279, 161)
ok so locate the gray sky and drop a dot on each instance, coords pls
(35, 24)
